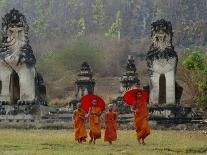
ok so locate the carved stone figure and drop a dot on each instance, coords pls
(20, 82)
(162, 62)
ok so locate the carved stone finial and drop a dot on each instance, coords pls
(85, 66)
(130, 64)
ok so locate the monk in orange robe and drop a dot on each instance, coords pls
(95, 122)
(79, 124)
(141, 119)
(111, 127)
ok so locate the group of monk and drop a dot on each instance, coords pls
(94, 115)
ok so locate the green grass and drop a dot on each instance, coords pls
(60, 142)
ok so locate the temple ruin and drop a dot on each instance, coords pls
(20, 83)
(162, 63)
(84, 83)
(129, 79)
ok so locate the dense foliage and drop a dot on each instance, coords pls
(195, 67)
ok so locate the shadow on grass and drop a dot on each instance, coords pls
(197, 150)
(188, 150)
(46, 146)
(10, 147)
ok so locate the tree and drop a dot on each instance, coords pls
(98, 13)
(82, 27)
(40, 25)
(195, 65)
(115, 28)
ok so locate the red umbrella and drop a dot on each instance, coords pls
(130, 97)
(88, 99)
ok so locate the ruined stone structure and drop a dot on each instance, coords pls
(20, 83)
(162, 62)
(84, 84)
(165, 93)
(130, 78)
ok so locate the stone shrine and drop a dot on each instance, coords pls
(128, 80)
(84, 83)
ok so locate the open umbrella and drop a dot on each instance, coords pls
(130, 97)
(87, 100)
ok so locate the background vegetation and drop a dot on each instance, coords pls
(194, 67)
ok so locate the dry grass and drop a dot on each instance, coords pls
(60, 142)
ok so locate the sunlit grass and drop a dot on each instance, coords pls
(61, 142)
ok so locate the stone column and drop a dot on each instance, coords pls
(27, 83)
(154, 88)
(5, 74)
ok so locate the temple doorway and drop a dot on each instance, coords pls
(14, 88)
(162, 89)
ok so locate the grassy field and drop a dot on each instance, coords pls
(60, 142)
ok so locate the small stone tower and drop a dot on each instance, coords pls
(129, 79)
(85, 83)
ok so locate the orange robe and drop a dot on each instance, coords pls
(79, 124)
(95, 122)
(111, 127)
(141, 120)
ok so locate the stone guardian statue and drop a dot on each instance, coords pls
(162, 62)
(19, 80)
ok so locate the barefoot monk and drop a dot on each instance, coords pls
(79, 124)
(141, 119)
(95, 121)
(110, 127)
